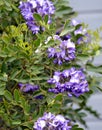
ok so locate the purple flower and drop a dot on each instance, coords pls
(72, 82)
(39, 97)
(51, 52)
(85, 38)
(75, 22)
(42, 7)
(66, 37)
(33, 27)
(65, 52)
(28, 87)
(26, 11)
(51, 122)
(80, 33)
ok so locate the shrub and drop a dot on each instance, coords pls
(45, 63)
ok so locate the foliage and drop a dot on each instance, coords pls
(24, 59)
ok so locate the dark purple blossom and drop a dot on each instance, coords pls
(65, 52)
(28, 87)
(72, 82)
(51, 122)
(42, 7)
(66, 37)
(39, 97)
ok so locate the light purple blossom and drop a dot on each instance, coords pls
(75, 22)
(84, 38)
(65, 52)
(42, 7)
(51, 122)
(51, 52)
(72, 82)
(80, 30)
(28, 87)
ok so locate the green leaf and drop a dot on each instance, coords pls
(11, 59)
(4, 67)
(67, 29)
(3, 55)
(93, 112)
(58, 97)
(98, 78)
(7, 3)
(39, 78)
(37, 42)
(17, 122)
(1, 3)
(2, 88)
(14, 74)
(37, 17)
(16, 95)
(63, 10)
(15, 8)
(3, 77)
(25, 106)
(28, 125)
(55, 108)
(100, 89)
(46, 19)
(97, 69)
(75, 126)
(8, 95)
(77, 129)
(50, 100)
(83, 57)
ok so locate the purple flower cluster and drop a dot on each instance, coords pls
(28, 87)
(42, 7)
(65, 52)
(84, 36)
(51, 122)
(72, 82)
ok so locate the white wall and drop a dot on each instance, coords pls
(90, 12)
